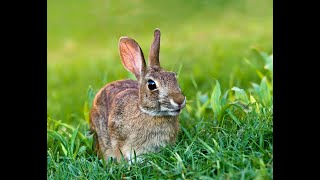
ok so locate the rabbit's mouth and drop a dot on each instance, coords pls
(170, 111)
(162, 112)
(178, 110)
(174, 112)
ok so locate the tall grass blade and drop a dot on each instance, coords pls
(215, 100)
(72, 141)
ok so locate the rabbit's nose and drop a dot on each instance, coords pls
(178, 100)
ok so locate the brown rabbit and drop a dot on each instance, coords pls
(142, 115)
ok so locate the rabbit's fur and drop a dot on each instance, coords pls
(127, 116)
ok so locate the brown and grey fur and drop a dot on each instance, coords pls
(127, 116)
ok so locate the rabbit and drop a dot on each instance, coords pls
(137, 115)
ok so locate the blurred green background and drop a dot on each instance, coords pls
(206, 39)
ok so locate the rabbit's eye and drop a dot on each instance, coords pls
(152, 85)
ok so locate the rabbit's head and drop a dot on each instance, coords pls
(159, 91)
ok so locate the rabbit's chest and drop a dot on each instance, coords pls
(152, 139)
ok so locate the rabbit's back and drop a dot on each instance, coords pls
(111, 90)
(101, 107)
(103, 99)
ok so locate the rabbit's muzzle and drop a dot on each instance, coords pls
(178, 101)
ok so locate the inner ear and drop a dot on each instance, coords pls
(132, 56)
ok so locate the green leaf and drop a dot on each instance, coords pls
(215, 100)
(265, 92)
(73, 138)
(234, 118)
(158, 167)
(224, 98)
(86, 111)
(194, 83)
(64, 149)
(206, 145)
(179, 70)
(243, 107)
(240, 94)
(180, 162)
(63, 141)
(260, 74)
(224, 109)
(88, 140)
(69, 127)
(250, 63)
(202, 104)
(63, 124)
(255, 86)
(215, 143)
(58, 137)
(203, 98)
(91, 96)
(268, 60)
(186, 132)
(82, 149)
(253, 101)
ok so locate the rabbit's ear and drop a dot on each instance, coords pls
(131, 56)
(155, 49)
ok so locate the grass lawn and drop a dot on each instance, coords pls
(222, 50)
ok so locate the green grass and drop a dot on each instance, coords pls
(220, 48)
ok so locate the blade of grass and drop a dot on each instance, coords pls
(215, 100)
(72, 142)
